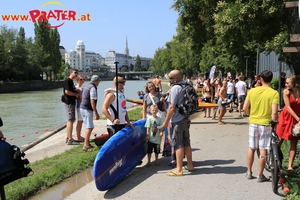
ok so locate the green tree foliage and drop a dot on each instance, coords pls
(19, 55)
(223, 32)
(23, 58)
(42, 39)
(55, 61)
(137, 64)
(161, 63)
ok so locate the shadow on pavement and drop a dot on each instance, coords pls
(137, 176)
(216, 123)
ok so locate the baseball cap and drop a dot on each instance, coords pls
(95, 78)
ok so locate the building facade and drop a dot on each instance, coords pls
(124, 60)
(83, 60)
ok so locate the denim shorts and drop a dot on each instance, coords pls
(87, 116)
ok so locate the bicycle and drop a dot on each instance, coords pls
(274, 159)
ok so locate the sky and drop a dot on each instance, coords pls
(147, 24)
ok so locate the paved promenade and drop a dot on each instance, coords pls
(219, 154)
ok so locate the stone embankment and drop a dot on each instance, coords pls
(15, 87)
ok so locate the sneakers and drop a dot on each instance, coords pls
(249, 176)
(72, 142)
(262, 178)
(240, 116)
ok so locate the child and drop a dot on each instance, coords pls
(153, 134)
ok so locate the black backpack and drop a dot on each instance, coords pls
(190, 100)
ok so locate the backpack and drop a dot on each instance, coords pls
(190, 100)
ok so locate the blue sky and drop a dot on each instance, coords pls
(148, 24)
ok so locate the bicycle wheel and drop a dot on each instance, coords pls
(269, 161)
(275, 176)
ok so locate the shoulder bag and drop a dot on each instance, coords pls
(160, 114)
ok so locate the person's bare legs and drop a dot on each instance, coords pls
(250, 159)
(209, 111)
(78, 130)
(293, 149)
(222, 113)
(156, 159)
(188, 153)
(149, 159)
(261, 161)
(69, 129)
(88, 133)
(179, 160)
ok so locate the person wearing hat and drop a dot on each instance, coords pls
(88, 107)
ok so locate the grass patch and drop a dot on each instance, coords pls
(135, 114)
(292, 179)
(50, 171)
(56, 169)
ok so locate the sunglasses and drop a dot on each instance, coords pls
(122, 82)
(171, 78)
(81, 79)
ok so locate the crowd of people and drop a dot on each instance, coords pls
(83, 101)
(258, 101)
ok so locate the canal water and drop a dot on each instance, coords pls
(28, 115)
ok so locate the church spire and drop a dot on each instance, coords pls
(126, 51)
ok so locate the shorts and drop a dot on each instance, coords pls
(180, 134)
(113, 129)
(259, 136)
(241, 98)
(230, 97)
(151, 146)
(220, 104)
(79, 117)
(87, 116)
(70, 111)
(206, 100)
(216, 99)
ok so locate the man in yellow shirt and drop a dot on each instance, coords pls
(264, 103)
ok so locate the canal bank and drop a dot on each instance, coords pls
(15, 87)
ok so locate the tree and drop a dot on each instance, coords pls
(19, 55)
(42, 41)
(2, 58)
(161, 63)
(35, 54)
(137, 64)
(55, 61)
(222, 33)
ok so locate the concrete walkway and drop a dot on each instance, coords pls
(219, 154)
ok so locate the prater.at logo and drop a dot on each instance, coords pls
(60, 15)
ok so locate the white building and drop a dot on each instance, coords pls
(62, 51)
(81, 59)
(125, 60)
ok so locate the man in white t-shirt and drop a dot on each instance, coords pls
(241, 92)
(230, 92)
